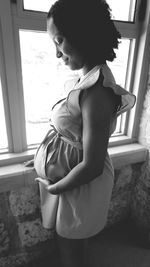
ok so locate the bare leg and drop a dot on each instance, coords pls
(73, 252)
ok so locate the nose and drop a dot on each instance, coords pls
(58, 53)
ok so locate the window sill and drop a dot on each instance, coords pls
(16, 175)
(127, 154)
(16, 158)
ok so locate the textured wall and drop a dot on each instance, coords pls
(20, 227)
(22, 237)
(141, 194)
(144, 134)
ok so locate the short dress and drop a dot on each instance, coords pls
(80, 212)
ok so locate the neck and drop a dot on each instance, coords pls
(86, 68)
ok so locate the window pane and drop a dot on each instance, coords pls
(120, 63)
(43, 79)
(122, 10)
(38, 5)
(3, 134)
(119, 69)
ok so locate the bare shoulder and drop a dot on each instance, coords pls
(100, 100)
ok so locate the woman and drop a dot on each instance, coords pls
(72, 162)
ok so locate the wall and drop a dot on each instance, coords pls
(141, 202)
(24, 240)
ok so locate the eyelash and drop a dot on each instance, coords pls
(59, 40)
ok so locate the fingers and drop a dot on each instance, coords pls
(50, 188)
(29, 163)
(42, 181)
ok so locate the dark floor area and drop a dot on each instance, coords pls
(118, 246)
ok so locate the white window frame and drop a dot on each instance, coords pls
(12, 76)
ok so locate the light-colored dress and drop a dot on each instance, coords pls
(81, 212)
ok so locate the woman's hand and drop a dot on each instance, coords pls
(50, 188)
(29, 163)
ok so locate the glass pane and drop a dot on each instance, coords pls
(119, 69)
(122, 10)
(44, 77)
(38, 5)
(120, 63)
(3, 134)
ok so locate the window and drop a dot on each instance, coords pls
(3, 134)
(122, 10)
(119, 68)
(31, 83)
(43, 80)
(35, 5)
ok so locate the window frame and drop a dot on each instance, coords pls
(4, 95)
(11, 74)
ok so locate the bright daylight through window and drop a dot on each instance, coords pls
(41, 70)
(43, 79)
(35, 79)
(122, 10)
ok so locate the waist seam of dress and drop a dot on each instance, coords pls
(76, 144)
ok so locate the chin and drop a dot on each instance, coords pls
(75, 67)
(72, 68)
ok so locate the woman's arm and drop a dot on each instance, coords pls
(97, 106)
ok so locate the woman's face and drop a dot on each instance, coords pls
(71, 57)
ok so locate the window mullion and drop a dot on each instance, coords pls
(14, 100)
(127, 29)
(20, 84)
(30, 23)
(5, 94)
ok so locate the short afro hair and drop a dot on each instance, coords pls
(88, 26)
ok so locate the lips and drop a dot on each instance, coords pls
(65, 60)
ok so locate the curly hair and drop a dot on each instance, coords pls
(88, 26)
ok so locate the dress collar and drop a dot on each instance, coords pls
(89, 79)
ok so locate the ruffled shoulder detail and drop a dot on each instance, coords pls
(127, 99)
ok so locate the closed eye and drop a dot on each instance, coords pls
(58, 40)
